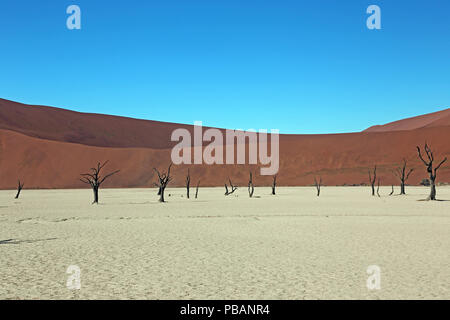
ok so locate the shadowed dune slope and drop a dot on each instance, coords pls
(49, 147)
(85, 128)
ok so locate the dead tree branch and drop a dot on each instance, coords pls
(403, 174)
(163, 180)
(95, 180)
(233, 188)
(432, 172)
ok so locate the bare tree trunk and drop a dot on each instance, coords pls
(188, 183)
(161, 196)
(196, 189)
(318, 184)
(274, 184)
(251, 188)
(95, 190)
(19, 189)
(373, 179)
(432, 189)
(378, 188)
(392, 192)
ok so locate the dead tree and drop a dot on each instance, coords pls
(373, 179)
(318, 185)
(95, 180)
(403, 175)
(251, 188)
(432, 172)
(196, 189)
(378, 188)
(392, 192)
(233, 188)
(164, 180)
(159, 188)
(188, 183)
(274, 184)
(19, 189)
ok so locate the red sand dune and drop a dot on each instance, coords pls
(435, 119)
(49, 147)
(85, 128)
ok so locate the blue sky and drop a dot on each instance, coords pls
(298, 66)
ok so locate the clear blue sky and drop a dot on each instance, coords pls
(298, 66)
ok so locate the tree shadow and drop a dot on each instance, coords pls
(18, 241)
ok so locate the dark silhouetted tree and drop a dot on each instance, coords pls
(373, 179)
(378, 188)
(403, 174)
(274, 184)
(196, 189)
(95, 180)
(233, 188)
(251, 188)
(19, 189)
(188, 183)
(392, 192)
(164, 180)
(431, 171)
(318, 184)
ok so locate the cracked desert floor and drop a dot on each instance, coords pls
(290, 246)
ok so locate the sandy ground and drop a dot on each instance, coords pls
(290, 246)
